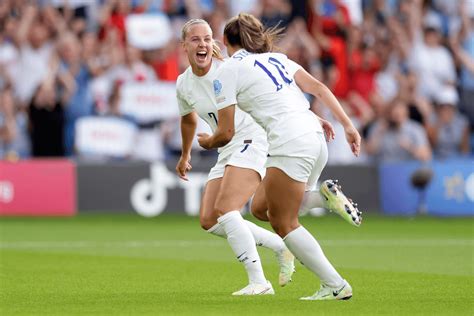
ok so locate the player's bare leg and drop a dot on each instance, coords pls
(237, 186)
(259, 207)
(284, 196)
(207, 215)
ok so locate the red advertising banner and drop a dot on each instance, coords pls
(38, 188)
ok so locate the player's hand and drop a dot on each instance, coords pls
(353, 138)
(183, 166)
(328, 129)
(204, 140)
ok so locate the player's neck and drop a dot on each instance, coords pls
(198, 71)
(231, 50)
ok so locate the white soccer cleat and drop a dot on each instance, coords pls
(287, 266)
(327, 293)
(256, 289)
(337, 202)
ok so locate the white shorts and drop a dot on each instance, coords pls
(250, 154)
(302, 159)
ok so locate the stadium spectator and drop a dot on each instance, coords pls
(132, 68)
(80, 103)
(397, 138)
(298, 44)
(47, 114)
(32, 40)
(430, 60)
(448, 130)
(363, 65)
(328, 23)
(462, 45)
(275, 13)
(112, 19)
(14, 140)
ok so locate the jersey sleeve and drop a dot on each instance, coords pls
(184, 107)
(293, 67)
(225, 87)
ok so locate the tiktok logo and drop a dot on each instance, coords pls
(149, 197)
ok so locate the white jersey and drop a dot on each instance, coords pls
(196, 93)
(263, 85)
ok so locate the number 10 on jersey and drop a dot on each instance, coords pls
(279, 67)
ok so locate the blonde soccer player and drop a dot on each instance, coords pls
(269, 87)
(240, 163)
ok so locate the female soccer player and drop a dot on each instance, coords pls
(240, 164)
(269, 87)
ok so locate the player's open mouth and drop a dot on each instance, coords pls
(201, 55)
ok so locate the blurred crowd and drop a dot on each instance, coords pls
(402, 69)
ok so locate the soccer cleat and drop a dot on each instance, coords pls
(337, 202)
(287, 266)
(256, 289)
(327, 293)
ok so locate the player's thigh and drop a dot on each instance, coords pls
(237, 186)
(207, 213)
(319, 165)
(259, 205)
(284, 196)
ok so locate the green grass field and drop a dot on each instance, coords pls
(128, 265)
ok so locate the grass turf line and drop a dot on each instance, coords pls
(128, 265)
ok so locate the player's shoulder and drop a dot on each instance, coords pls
(217, 63)
(227, 68)
(239, 56)
(183, 79)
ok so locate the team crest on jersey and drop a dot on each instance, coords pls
(217, 87)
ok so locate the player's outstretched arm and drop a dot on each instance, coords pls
(224, 132)
(188, 129)
(311, 85)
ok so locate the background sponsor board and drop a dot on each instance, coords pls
(148, 189)
(450, 192)
(151, 189)
(38, 187)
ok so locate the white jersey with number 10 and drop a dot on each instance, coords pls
(263, 85)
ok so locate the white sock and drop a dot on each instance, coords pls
(262, 236)
(266, 238)
(217, 230)
(303, 245)
(242, 243)
(311, 199)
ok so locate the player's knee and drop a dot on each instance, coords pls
(207, 222)
(277, 227)
(259, 213)
(283, 228)
(220, 207)
(259, 210)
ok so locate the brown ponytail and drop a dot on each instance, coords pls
(247, 31)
